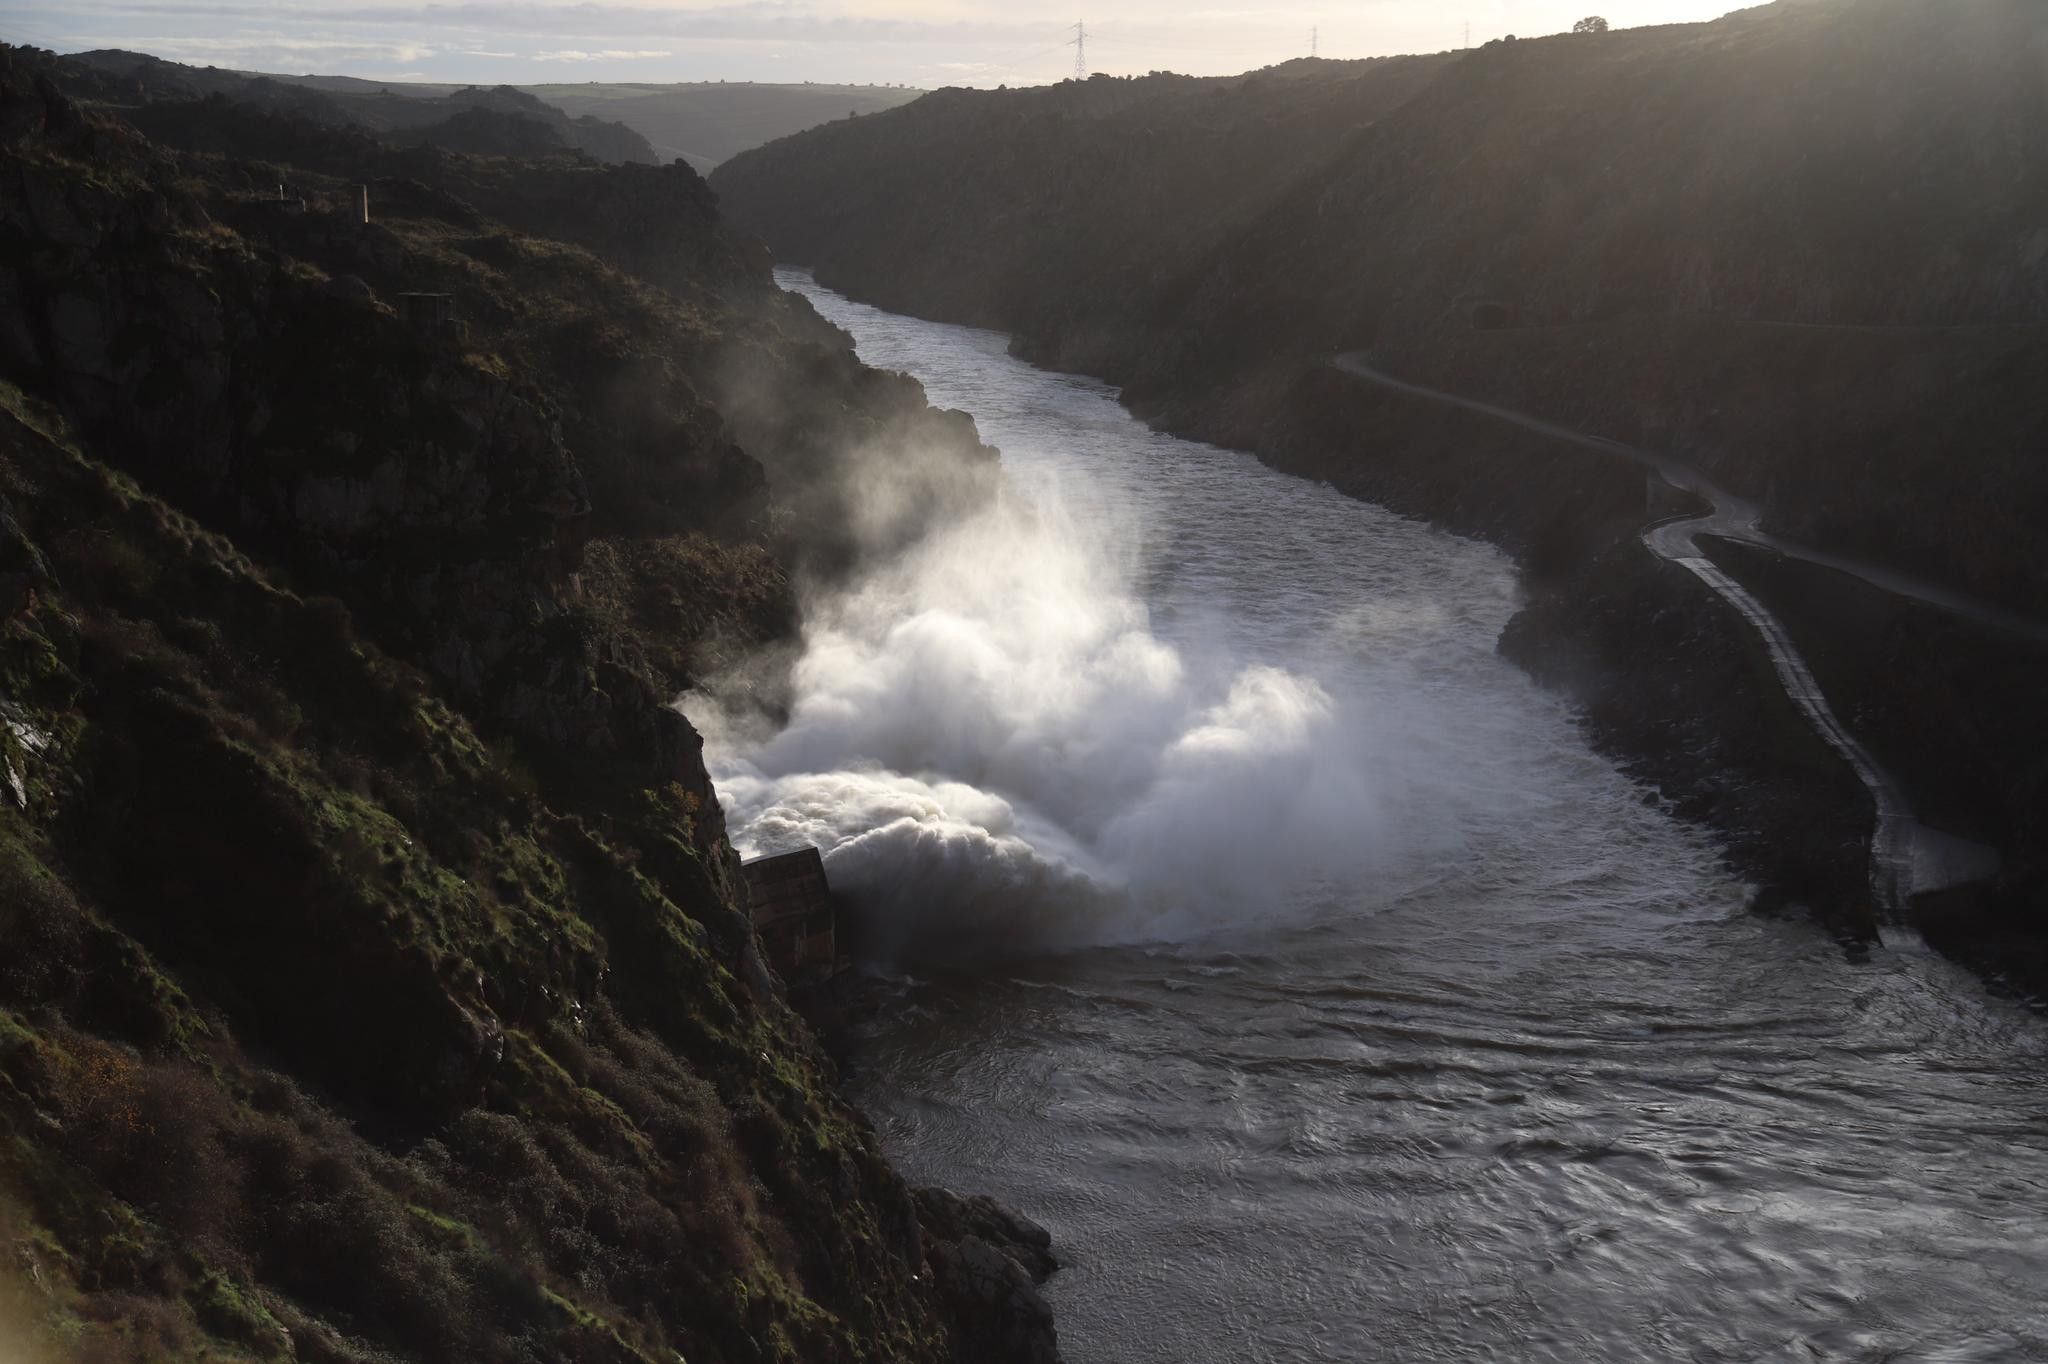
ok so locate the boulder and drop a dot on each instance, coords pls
(17, 595)
(987, 1263)
(999, 1315)
(350, 289)
(947, 1216)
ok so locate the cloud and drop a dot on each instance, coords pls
(274, 49)
(829, 40)
(781, 22)
(570, 54)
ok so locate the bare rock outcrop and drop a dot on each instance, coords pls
(989, 1262)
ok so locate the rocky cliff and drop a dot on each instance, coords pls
(378, 980)
(1800, 248)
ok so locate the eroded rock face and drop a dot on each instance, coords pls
(1001, 1314)
(947, 1216)
(988, 1262)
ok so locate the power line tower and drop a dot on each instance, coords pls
(1315, 38)
(1080, 46)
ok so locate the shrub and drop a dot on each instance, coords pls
(40, 925)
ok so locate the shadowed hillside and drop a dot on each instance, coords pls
(1084, 200)
(1665, 203)
(1801, 248)
(379, 983)
(703, 123)
(498, 121)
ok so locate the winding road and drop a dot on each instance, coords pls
(1907, 857)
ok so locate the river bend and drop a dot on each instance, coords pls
(1512, 1075)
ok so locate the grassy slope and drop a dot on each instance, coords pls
(374, 971)
(263, 896)
(703, 122)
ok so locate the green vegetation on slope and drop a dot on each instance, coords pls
(703, 122)
(496, 121)
(377, 984)
(316, 1020)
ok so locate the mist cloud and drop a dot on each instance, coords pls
(995, 751)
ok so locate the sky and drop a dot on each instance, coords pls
(924, 43)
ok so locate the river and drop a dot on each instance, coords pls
(1332, 999)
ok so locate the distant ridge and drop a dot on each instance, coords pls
(707, 124)
(703, 123)
(388, 108)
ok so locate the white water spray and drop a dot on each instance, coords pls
(1145, 691)
(989, 741)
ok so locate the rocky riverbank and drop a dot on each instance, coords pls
(1671, 679)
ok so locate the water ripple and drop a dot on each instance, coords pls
(1543, 1092)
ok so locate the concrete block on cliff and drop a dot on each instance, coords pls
(794, 917)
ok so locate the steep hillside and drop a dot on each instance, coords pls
(604, 140)
(1084, 200)
(497, 121)
(379, 984)
(1801, 248)
(1658, 201)
(703, 123)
